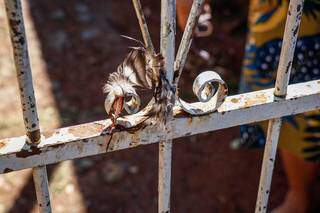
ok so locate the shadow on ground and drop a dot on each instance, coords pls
(80, 44)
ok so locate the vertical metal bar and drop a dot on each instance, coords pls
(187, 39)
(164, 185)
(167, 43)
(28, 101)
(283, 76)
(288, 46)
(143, 24)
(168, 31)
(42, 190)
(269, 156)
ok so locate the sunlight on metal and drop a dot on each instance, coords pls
(28, 102)
(143, 25)
(283, 75)
(90, 139)
(186, 40)
(35, 149)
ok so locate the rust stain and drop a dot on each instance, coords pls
(235, 100)
(180, 113)
(50, 133)
(2, 144)
(27, 153)
(34, 136)
(190, 120)
(260, 98)
(86, 130)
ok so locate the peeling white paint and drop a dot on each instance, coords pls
(27, 97)
(283, 75)
(89, 139)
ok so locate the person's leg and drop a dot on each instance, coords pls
(300, 175)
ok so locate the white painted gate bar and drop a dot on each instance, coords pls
(283, 75)
(143, 24)
(35, 150)
(186, 40)
(89, 139)
(28, 101)
(167, 49)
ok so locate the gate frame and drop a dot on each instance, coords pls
(36, 150)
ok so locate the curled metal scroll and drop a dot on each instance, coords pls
(209, 87)
(136, 116)
(211, 91)
(132, 103)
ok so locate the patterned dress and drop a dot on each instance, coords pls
(300, 134)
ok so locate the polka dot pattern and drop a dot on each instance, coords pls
(263, 63)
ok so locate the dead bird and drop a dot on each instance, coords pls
(139, 70)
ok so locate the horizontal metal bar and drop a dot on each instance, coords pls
(87, 139)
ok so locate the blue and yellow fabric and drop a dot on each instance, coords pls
(300, 134)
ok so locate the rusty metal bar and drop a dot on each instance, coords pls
(187, 39)
(89, 139)
(280, 92)
(42, 190)
(143, 24)
(28, 101)
(167, 48)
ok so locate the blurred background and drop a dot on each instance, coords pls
(73, 45)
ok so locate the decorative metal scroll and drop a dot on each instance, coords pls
(208, 86)
(211, 91)
(132, 106)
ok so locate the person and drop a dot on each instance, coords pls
(300, 135)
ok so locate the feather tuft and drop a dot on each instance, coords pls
(119, 85)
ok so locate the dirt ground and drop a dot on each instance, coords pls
(73, 47)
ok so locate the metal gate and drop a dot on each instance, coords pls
(214, 111)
